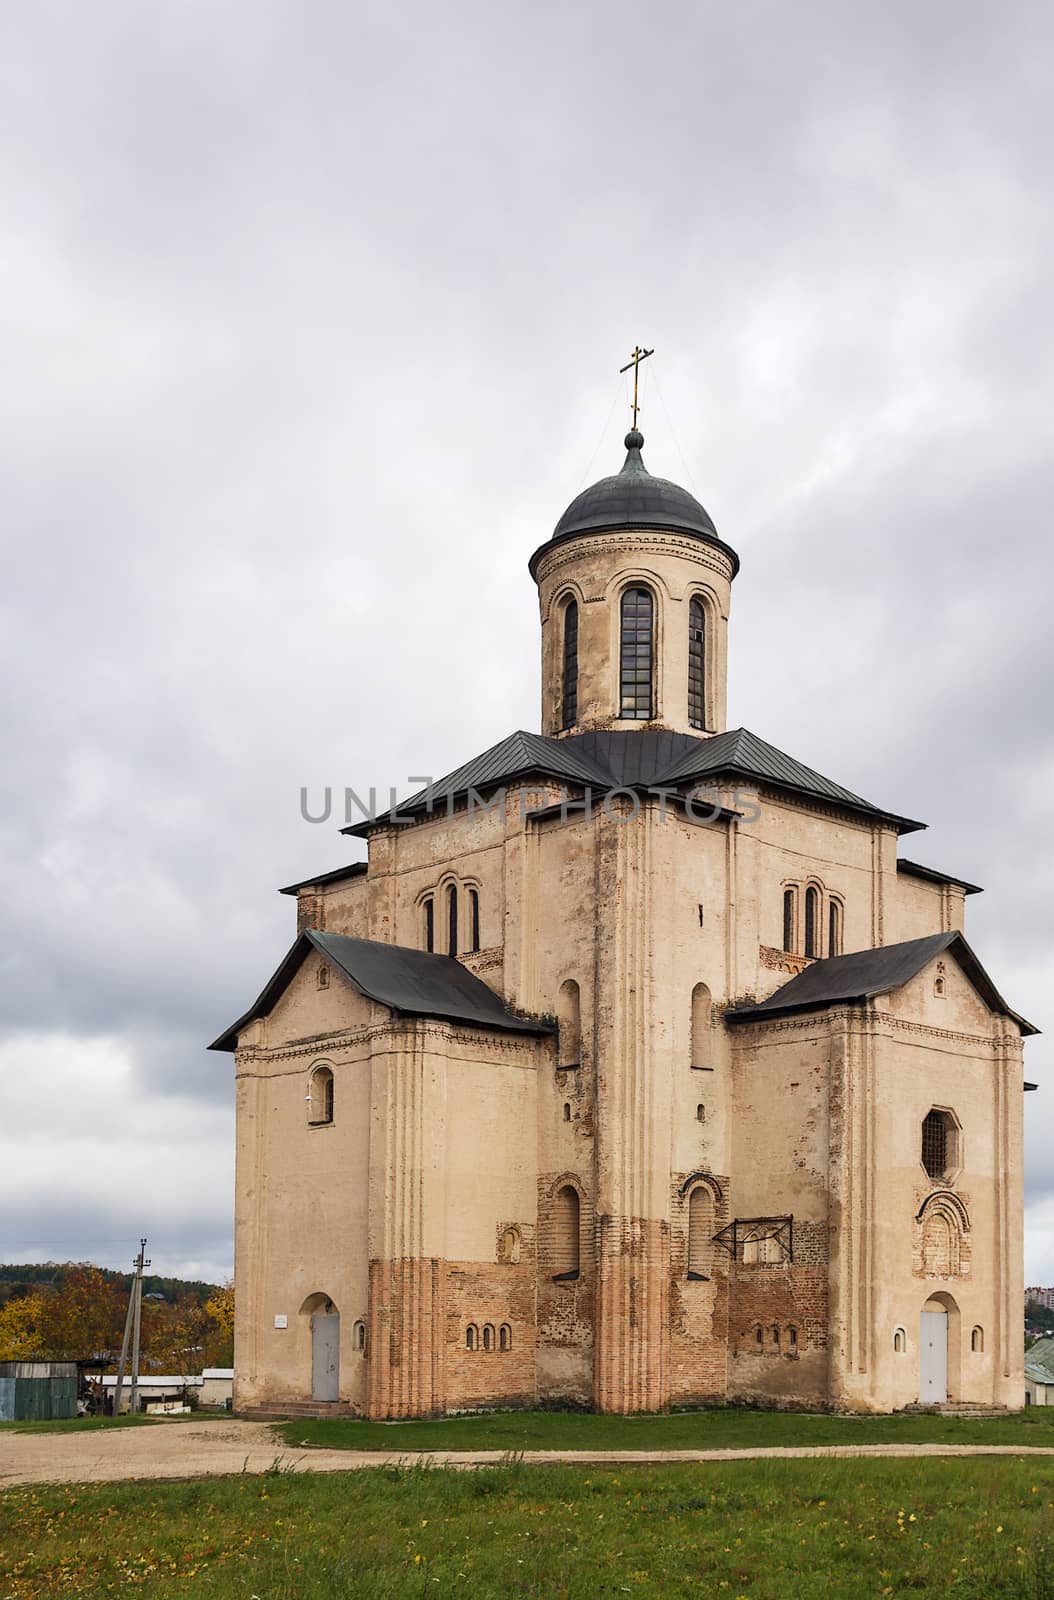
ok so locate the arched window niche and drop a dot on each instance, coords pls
(637, 655)
(473, 920)
(977, 1341)
(452, 929)
(569, 1030)
(702, 1013)
(700, 1233)
(320, 1096)
(567, 1229)
(505, 1337)
(569, 676)
(900, 1342)
(488, 1337)
(428, 916)
(812, 921)
(834, 927)
(696, 663)
(471, 1337)
(790, 919)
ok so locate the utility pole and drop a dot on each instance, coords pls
(131, 1332)
(134, 1397)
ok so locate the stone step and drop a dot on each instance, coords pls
(291, 1410)
(957, 1408)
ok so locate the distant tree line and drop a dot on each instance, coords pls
(75, 1311)
(20, 1278)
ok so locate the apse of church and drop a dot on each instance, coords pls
(636, 1066)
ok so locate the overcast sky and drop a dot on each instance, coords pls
(312, 315)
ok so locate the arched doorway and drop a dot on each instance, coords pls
(937, 1320)
(325, 1346)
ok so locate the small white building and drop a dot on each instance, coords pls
(159, 1393)
(1038, 1384)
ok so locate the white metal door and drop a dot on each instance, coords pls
(933, 1358)
(325, 1356)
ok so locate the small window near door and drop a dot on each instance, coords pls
(358, 1336)
(977, 1341)
(900, 1341)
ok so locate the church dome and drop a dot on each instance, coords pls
(633, 498)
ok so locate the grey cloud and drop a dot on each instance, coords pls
(316, 315)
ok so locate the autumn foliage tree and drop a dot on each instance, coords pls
(82, 1314)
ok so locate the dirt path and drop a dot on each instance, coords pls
(198, 1449)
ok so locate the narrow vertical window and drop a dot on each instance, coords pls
(834, 929)
(473, 911)
(430, 924)
(320, 1096)
(789, 918)
(700, 1229)
(505, 1337)
(812, 918)
(702, 1011)
(697, 664)
(451, 904)
(569, 1031)
(569, 698)
(636, 655)
(566, 1233)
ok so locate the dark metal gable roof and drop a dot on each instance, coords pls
(412, 982)
(866, 973)
(521, 755)
(912, 869)
(629, 756)
(738, 751)
(625, 757)
(357, 869)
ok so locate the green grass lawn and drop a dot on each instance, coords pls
(689, 1430)
(82, 1424)
(77, 1424)
(749, 1530)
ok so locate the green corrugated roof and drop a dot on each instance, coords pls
(1041, 1355)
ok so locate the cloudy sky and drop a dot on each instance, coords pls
(312, 315)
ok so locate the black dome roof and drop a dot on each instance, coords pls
(632, 498)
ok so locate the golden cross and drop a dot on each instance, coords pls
(635, 360)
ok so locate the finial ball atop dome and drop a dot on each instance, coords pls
(634, 439)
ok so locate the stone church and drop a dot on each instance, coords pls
(636, 1067)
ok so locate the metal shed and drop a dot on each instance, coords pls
(37, 1391)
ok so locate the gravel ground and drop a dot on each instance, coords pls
(199, 1449)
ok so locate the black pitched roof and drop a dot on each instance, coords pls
(738, 751)
(412, 982)
(865, 973)
(357, 869)
(628, 757)
(913, 869)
